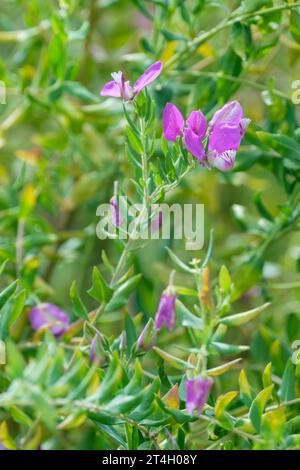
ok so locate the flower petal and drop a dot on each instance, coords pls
(173, 122)
(230, 113)
(244, 125)
(111, 89)
(166, 312)
(197, 123)
(194, 144)
(197, 391)
(223, 161)
(49, 314)
(148, 76)
(225, 137)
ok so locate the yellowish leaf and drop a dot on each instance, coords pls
(171, 399)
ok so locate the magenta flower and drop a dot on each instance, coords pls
(51, 315)
(226, 131)
(120, 88)
(197, 391)
(166, 312)
(193, 131)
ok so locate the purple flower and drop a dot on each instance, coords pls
(120, 88)
(166, 313)
(49, 315)
(197, 391)
(193, 131)
(227, 129)
(115, 211)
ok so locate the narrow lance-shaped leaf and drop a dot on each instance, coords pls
(78, 305)
(267, 375)
(245, 390)
(99, 289)
(258, 406)
(172, 360)
(287, 387)
(222, 403)
(7, 293)
(11, 313)
(241, 318)
(223, 368)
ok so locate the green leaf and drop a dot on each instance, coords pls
(224, 280)
(19, 416)
(112, 433)
(11, 313)
(245, 389)
(121, 295)
(78, 305)
(223, 368)
(222, 403)
(99, 290)
(186, 318)
(2, 267)
(241, 39)
(131, 335)
(282, 144)
(111, 381)
(262, 209)
(224, 348)
(241, 318)
(124, 403)
(134, 140)
(254, 5)
(172, 360)
(287, 388)
(7, 293)
(79, 91)
(258, 406)
(267, 375)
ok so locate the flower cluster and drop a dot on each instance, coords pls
(214, 145)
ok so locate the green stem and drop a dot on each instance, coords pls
(231, 78)
(202, 38)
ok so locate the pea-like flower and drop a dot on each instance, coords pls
(226, 131)
(166, 312)
(193, 131)
(49, 315)
(197, 391)
(120, 88)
